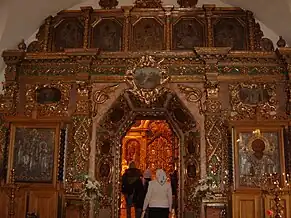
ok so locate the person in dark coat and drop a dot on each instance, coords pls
(141, 187)
(129, 181)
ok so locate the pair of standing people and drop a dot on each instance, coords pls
(151, 199)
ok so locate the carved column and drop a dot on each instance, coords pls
(286, 54)
(4, 142)
(86, 15)
(251, 25)
(208, 14)
(215, 119)
(79, 132)
(47, 29)
(10, 98)
(168, 29)
(126, 30)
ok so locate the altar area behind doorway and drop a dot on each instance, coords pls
(150, 144)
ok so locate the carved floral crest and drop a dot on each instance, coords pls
(249, 100)
(147, 79)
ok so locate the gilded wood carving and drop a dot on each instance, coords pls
(80, 48)
(47, 99)
(118, 120)
(248, 100)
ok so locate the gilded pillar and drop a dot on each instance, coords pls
(47, 30)
(4, 134)
(208, 15)
(168, 28)
(80, 128)
(286, 54)
(10, 99)
(86, 16)
(251, 25)
(126, 30)
(215, 118)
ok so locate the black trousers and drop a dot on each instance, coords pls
(157, 212)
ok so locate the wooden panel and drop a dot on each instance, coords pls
(73, 207)
(3, 204)
(44, 204)
(20, 204)
(246, 206)
(73, 211)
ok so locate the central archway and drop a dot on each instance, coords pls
(117, 121)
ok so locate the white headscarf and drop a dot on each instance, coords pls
(161, 176)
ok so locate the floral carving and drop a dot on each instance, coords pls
(147, 79)
(51, 108)
(253, 100)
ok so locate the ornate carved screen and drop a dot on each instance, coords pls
(143, 29)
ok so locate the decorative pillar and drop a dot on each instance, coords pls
(80, 129)
(47, 30)
(215, 117)
(126, 29)
(208, 15)
(286, 54)
(251, 27)
(168, 27)
(86, 17)
(10, 99)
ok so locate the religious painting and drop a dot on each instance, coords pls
(48, 95)
(148, 35)
(147, 77)
(253, 94)
(69, 34)
(107, 35)
(188, 33)
(259, 154)
(229, 32)
(33, 153)
(132, 151)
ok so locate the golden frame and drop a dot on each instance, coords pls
(33, 125)
(251, 129)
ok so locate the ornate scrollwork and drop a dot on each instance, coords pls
(101, 96)
(250, 100)
(45, 107)
(147, 79)
(192, 94)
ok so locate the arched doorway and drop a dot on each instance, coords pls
(118, 120)
(150, 144)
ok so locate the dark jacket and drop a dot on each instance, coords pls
(174, 182)
(140, 191)
(129, 178)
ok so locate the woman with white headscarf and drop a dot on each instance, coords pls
(158, 197)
